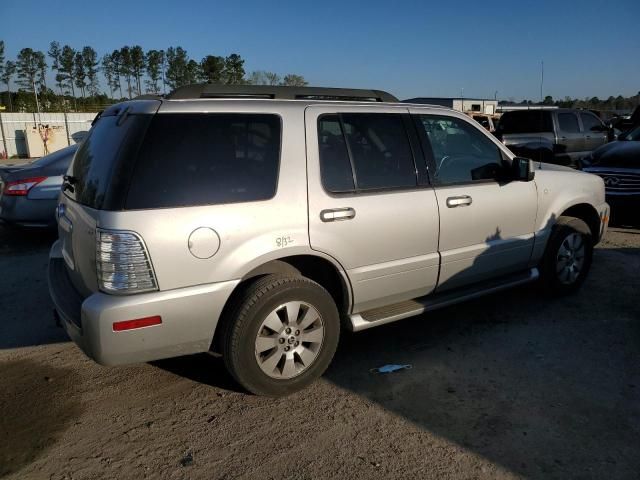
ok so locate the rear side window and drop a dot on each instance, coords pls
(335, 165)
(365, 151)
(206, 159)
(568, 122)
(529, 121)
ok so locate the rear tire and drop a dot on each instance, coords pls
(281, 334)
(568, 256)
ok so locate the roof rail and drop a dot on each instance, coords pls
(208, 90)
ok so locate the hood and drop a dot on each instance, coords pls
(554, 167)
(622, 154)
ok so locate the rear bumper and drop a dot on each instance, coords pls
(189, 318)
(26, 212)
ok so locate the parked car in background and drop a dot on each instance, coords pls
(489, 122)
(257, 221)
(628, 122)
(562, 136)
(29, 193)
(618, 163)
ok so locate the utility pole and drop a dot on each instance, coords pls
(541, 80)
(35, 92)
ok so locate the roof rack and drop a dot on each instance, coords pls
(208, 90)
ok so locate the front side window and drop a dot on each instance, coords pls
(206, 159)
(589, 122)
(461, 152)
(362, 151)
(568, 122)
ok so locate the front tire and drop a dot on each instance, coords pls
(281, 334)
(568, 256)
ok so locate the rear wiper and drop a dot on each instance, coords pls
(93, 122)
(68, 181)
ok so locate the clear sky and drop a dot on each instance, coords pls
(410, 48)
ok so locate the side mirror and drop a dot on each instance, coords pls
(521, 170)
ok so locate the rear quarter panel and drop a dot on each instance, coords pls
(250, 233)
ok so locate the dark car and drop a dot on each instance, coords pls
(562, 136)
(625, 124)
(29, 193)
(618, 163)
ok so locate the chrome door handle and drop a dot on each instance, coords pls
(461, 201)
(335, 214)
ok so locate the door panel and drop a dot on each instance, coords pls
(491, 236)
(570, 139)
(385, 240)
(486, 226)
(593, 138)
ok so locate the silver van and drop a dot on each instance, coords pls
(258, 222)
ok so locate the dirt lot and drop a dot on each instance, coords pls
(508, 386)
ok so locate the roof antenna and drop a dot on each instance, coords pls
(541, 102)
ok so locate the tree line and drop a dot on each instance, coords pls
(594, 103)
(126, 72)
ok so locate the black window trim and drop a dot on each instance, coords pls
(430, 159)
(421, 183)
(277, 182)
(575, 115)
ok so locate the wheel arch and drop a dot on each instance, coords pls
(588, 214)
(325, 271)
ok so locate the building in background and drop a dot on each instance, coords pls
(483, 105)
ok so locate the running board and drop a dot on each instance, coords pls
(398, 311)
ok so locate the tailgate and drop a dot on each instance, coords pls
(76, 229)
(97, 181)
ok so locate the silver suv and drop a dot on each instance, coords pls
(258, 222)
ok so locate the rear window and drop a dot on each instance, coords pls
(206, 159)
(529, 121)
(100, 163)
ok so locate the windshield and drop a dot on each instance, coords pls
(633, 135)
(97, 169)
(529, 121)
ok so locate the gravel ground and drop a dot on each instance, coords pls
(514, 385)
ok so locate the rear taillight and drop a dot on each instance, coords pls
(22, 187)
(123, 263)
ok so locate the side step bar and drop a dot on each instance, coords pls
(398, 311)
